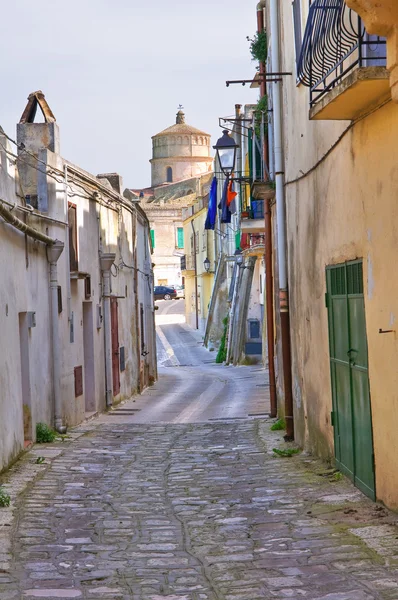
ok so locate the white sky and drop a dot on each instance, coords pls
(115, 71)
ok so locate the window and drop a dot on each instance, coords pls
(72, 221)
(169, 174)
(152, 232)
(180, 237)
(296, 5)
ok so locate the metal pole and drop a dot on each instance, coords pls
(196, 276)
(281, 223)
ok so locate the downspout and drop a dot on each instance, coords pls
(196, 276)
(269, 295)
(269, 282)
(281, 222)
(53, 253)
(68, 286)
(106, 261)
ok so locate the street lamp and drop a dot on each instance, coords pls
(226, 152)
(206, 265)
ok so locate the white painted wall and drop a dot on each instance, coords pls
(106, 223)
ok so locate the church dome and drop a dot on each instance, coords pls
(179, 152)
(181, 127)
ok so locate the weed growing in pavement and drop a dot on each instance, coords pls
(337, 476)
(4, 497)
(286, 452)
(278, 425)
(44, 434)
(40, 460)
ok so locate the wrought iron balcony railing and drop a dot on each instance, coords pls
(335, 42)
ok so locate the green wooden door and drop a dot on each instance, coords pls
(349, 374)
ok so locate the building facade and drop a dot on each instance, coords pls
(78, 293)
(180, 157)
(339, 126)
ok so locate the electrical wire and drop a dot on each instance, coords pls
(336, 143)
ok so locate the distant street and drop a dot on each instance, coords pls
(178, 495)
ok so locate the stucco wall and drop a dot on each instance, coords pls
(105, 223)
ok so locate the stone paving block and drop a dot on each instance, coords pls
(181, 512)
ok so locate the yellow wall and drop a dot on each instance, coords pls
(346, 208)
(205, 280)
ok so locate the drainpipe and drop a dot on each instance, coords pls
(106, 262)
(68, 286)
(53, 253)
(269, 301)
(260, 28)
(269, 283)
(196, 276)
(281, 222)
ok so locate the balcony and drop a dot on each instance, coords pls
(253, 244)
(187, 262)
(253, 217)
(343, 66)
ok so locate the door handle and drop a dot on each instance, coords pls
(351, 350)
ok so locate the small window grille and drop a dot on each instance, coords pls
(87, 287)
(338, 285)
(354, 278)
(59, 299)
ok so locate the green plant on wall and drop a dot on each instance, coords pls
(222, 351)
(261, 108)
(4, 497)
(259, 46)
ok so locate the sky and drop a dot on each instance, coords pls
(115, 71)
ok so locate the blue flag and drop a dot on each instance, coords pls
(212, 208)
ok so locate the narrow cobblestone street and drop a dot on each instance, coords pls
(178, 495)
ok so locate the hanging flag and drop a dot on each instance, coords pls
(231, 195)
(225, 212)
(212, 207)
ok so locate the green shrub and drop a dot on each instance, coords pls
(4, 497)
(286, 452)
(44, 434)
(278, 425)
(259, 46)
(222, 351)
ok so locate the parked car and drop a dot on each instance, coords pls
(163, 292)
(180, 289)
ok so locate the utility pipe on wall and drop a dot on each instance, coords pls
(53, 253)
(269, 283)
(281, 221)
(196, 276)
(106, 261)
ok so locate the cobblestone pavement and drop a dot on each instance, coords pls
(177, 495)
(196, 512)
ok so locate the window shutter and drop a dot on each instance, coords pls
(180, 237)
(153, 238)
